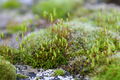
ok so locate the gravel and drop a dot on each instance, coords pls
(41, 74)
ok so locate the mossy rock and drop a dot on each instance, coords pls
(7, 70)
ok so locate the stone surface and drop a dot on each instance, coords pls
(40, 74)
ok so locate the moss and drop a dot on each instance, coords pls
(54, 9)
(81, 11)
(111, 73)
(14, 27)
(59, 72)
(46, 48)
(10, 54)
(91, 48)
(7, 70)
(11, 4)
(85, 47)
(108, 18)
(20, 76)
(79, 65)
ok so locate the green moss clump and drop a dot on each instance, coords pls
(14, 27)
(112, 72)
(46, 48)
(86, 48)
(91, 48)
(81, 11)
(59, 72)
(11, 4)
(108, 18)
(7, 70)
(10, 54)
(54, 9)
